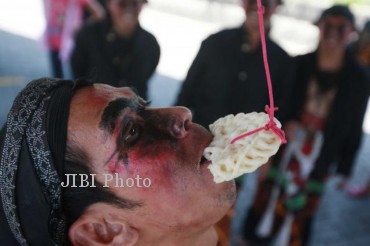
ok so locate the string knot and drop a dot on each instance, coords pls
(271, 112)
(271, 125)
(280, 133)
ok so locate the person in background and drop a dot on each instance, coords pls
(63, 18)
(227, 76)
(324, 127)
(117, 50)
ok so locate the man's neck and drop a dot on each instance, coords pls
(330, 60)
(124, 33)
(125, 29)
(253, 36)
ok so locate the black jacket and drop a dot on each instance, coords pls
(102, 56)
(224, 79)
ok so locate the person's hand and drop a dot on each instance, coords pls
(97, 11)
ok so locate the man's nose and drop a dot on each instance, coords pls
(177, 121)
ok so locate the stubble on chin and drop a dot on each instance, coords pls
(228, 196)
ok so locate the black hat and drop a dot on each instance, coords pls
(338, 10)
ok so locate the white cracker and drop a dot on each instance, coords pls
(230, 161)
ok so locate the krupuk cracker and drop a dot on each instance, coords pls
(230, 161)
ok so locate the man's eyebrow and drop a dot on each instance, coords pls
(114, 109)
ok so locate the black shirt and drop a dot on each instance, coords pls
(102, 56)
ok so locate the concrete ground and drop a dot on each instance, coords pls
(340, 221)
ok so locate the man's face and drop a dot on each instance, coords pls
(250, 8)
(335, 32)
(121, 136)
(125, 12)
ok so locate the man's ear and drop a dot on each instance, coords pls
(94, 228)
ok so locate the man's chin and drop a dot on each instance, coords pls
(226, 194)
(226, 198)
(230, 191)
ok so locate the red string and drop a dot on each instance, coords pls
(271, 125)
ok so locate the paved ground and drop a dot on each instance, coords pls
(21, 60)
(341, 221)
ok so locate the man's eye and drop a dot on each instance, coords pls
(133, 134)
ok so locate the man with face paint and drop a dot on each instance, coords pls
(116, 50)
(330, 96)
(228, 76)
(58, 128)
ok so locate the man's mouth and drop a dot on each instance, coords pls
(202, 161)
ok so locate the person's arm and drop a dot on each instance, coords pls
(359, 100)
(290, 94)
(353, 141)
(297, 96)
(95, 9)
(351, 147)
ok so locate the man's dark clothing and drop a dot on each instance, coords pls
(226, 78)
(101, 55)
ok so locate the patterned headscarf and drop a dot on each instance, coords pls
(32, 146)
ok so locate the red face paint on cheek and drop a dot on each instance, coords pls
(161, 167)
(116, 167)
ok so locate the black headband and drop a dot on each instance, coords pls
(32, 158)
